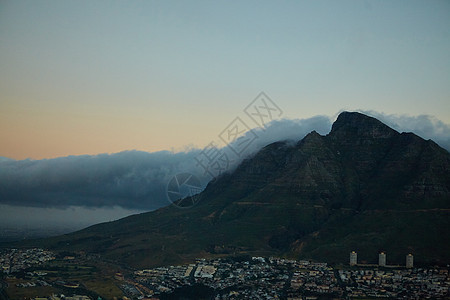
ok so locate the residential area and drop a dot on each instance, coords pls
(37, 273)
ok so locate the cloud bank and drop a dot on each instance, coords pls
(130, 179)
(138, 180)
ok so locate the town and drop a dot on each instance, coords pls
(238, 278)
(278, 278)
(16, 260)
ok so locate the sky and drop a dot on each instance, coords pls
(108, 99)
(89, 77)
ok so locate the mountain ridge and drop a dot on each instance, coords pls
(363, 186)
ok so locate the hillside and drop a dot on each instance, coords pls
(363, 187)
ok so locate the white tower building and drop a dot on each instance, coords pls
(382, 259)
(409, 260)
(353, 258)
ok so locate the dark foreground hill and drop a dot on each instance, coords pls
(362, 187)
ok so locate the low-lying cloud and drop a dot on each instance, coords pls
(138, 180)
(130, 179)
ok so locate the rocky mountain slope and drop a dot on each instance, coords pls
(362, 187)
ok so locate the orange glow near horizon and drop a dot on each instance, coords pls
(43, 135)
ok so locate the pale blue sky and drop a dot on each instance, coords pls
(87, 77)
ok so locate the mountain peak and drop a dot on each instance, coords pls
(360, 125)
(319, 199)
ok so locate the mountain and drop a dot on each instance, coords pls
(363, 187)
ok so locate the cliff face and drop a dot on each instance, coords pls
(360, 164)
(363, 187)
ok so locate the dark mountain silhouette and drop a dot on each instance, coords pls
(363, 187)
